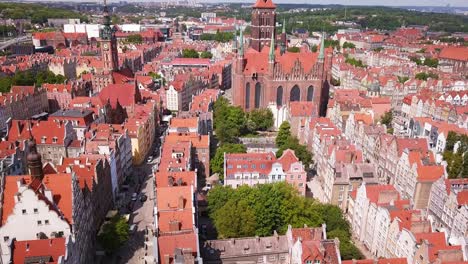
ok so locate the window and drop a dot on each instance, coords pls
(341, 188)
(308, 261)
(262, 166)
(230, 166)
(316, 261)
(253, 166)
(39, 222)
(24, 211)
(46, 222)
(35, 210)
(273, 177)
(292, 177)
(301, 184)
(299, 176)
(6, 238)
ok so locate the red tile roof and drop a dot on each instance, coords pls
(125, 94)
(50, 248)
(265, 4)
(59, 184)
(185, 177)
(287, 159)
(170, 197)
(374, 193)
(454, 53)
(167, 245)
(462, 197)
(185, 219)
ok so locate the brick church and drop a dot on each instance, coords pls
(267, 75)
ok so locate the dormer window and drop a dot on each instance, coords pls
(43, 140)
(54, 140)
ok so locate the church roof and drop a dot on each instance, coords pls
(257, 62)
(264, 4)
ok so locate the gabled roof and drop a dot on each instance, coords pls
(46, 250)
(59, 184)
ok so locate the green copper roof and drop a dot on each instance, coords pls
(272, 46)
(322, 47)
(284, 25)
(241, 40)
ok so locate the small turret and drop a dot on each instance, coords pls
(272, 48)
(34, 158)
(241, 44)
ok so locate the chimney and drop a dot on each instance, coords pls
(181, 202)
(174, 225)
(170, 181)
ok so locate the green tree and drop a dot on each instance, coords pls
(356, 63)
(349, 45)
(206, 55)
(387, 119)
(464, 173)
(424, 76)
(284, 134)
(135, 39)
(235, 219)
(259, 210)
(301, 151)
(452, 138)
(217, 162)
(416, 60)
(314, 48)
(190, 53)
(402, 79)
(294, 49)
(456, 166)
(260, 119)
(114, 234)
(431, 62)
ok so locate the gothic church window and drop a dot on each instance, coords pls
(295, 94)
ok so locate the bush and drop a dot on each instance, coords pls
(190, 53)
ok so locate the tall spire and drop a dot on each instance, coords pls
(272, 47)
(235, 34)
(321, 55)
(107, 30)
(241, 40)
(284, 26)
(34, 158)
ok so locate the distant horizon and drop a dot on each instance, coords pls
(394, 3)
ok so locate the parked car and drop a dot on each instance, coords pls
(134, 196)
(132, 228)
(143, 198)
(150, 159)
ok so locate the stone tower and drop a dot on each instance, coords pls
(108, 43)
(263, 23)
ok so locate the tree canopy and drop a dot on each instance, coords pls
(456, 155)
(294, 49)
(219, 36)
(190, 53)
(28, 78)
(265, 208)
(284, 141)
(206, 55)
(231, 122)
(135, 39)
(349, 45)
(387, 119)
(114, 234)
(424, 76)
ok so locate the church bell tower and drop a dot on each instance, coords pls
(263, 24)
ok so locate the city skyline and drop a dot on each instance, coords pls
(396, 3)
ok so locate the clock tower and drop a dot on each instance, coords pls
(108, 44)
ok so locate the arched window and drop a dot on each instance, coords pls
(247, 96)
(295, 94)
(279, 96)
(258, 94)
(310, 93)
